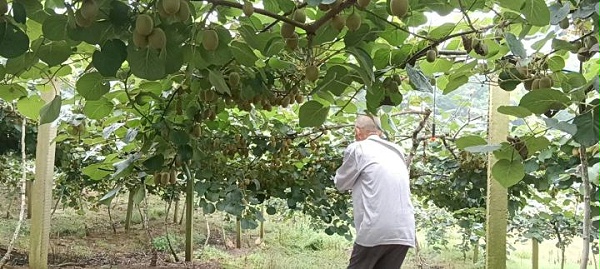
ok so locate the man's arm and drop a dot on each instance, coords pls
(346, 175)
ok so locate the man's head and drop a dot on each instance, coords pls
(365, 126)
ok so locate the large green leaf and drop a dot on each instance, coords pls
(535, 143)
(439, 65)
(515, 5)
(92, 86)
(50, 111)
(55, 27)
(587, 127)
(30, 106)
(508, 173)
(10, 92)
(564, 126)
(442, 30)
(98, 109)
(515, 45)
(108, 60)
(96, 171)
(13, 41)
(243, 54)
(469, 140)
(312, 114)
(54, 53)
(146, 63)
(536, 12)
(558, 12)
(107, 198)
(517, 111)
(542, 100)
(418, 79)
(365, 62)
(217, 80)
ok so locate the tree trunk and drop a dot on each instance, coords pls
(42, 191)
(28, 195)
(189, 209)
(535, 257)
(585, 252)
(23, 183)
(476, 251)
(176, 210)
(238, 232)
(129, 209)
(497, 195)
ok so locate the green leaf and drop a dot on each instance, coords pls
(394, 37)
(559, 12)
(455, 81)
(179, 137)
(559, 44)
(30, 106)
(418, 79)
(365, 62)
(470, 140)
(312, 114)
(96, 171)
(10, 92)
(109, 59)
(217, 80)
(154, 163)
(442, 30)
(482, 148)
(54, 53)
(139, 194)
(98, 109)
(243, 54)
(564, 126)
(440, 65)
(515, 45)
(13, 41)
(541, 100)
(50, 111)
(146, 63)
(535, 143)
(517, 111)
(507, 152)
(556, 63)
(508, 173)
(92, 86)
(515, 5)
(19, 13)
(536, 12)
(107, 198)
(587, 128)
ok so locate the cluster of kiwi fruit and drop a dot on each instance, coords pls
(475, 44)
(173, 9)
(87, 13)
(230, 148)
(392, 83)
(146, 35)
(533, 75)
(165, 178)
(584, 52)
(288, 31)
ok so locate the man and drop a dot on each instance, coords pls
(374, 170)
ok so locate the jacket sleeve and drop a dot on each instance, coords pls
(346, 175)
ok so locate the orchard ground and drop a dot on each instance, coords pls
(87, 240)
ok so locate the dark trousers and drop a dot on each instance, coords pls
(378, 257)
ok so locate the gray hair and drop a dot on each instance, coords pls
(368, 123)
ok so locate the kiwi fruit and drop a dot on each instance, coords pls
(527, 84)
(292, 42)
(564, 23)
(157, 178)
(431, 55)
(184, 11)
(89, 9)
(3, 7)
(197, 130)
(338, 22)
(285, 102)
(467, 43)
(248, 9)
(139, 40)
(535, 84)
(234, 79)
(399, 8)
(299, 98)
(171, 6)
(353, 21)
(157, 39)
(397, 78)
(161, 10)
(165, 178)
(546, 83)
(173, 176)
(144, 24)
(287, 30)
(312, 73)
(323, 7)
(81, 21)
(210, 40)
(299, 15)
(363, 3)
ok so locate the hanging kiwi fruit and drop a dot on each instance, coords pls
(431, 55)
(338, 22)
(210, 40)
(144, 24)
(399, 8)
(248, 9)
(299, 16)
(312, 73)
(157, 39)
(363, 3)
(353, 22)
(171, 7)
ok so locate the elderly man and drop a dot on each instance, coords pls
(375, 172)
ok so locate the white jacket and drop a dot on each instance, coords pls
(375, 171)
